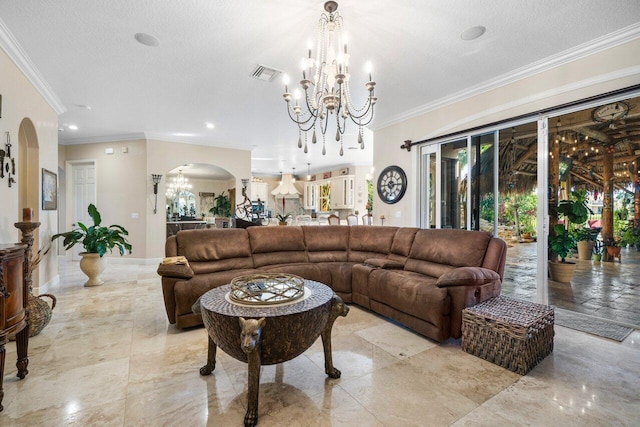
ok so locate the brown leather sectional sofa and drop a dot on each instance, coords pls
(419, 277)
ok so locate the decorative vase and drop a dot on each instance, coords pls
(92, 265)
(597, 257)
(282, 223)
(585, 249)
(526, 236)
(561, 271)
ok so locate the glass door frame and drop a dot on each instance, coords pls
(425, 170)
(542, 209)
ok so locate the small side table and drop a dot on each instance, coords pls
(511, 333)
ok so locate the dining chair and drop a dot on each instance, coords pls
(352, 219)
(367, 219)
(334, 219)
(303, 220)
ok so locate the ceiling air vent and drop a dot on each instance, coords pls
(264, 73)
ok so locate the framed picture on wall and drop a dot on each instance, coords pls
(49, 190)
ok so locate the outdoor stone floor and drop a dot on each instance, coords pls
(609, 290)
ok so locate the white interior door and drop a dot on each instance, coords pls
(83, 194)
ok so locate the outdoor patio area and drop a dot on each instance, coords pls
(608, 290)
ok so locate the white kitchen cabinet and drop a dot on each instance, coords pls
(310, 195)
(343, 192)
(258, 190)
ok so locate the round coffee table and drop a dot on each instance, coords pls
(266, 335)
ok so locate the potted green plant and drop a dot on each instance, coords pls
(95, 240)
(613, 248)
(222, 206)
(282, 218)
(526, 231)
(597, 251)
(561, 243)
(576, 211)
(585, 238)
(630, 236)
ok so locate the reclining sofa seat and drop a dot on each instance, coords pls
(390, 270)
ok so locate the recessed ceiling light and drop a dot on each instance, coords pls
(73, 127)
(209, 125)
(473, 33)
(147, 39)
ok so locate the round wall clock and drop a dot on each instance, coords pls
(392, 184)
(610, 112)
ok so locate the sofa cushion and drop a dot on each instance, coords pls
(459, 248)
(466, 276)
(214, 250)
(403, 240)
(434, 252)
(326, 244)
(340, 275)
(277, 245)
(366, 241)
(384, 263)
(308, 271)
(182, 271)
(410, 293)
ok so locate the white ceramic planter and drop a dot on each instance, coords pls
(92, 265)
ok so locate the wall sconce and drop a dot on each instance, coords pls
(156, 180)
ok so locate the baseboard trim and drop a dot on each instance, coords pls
(53, 283)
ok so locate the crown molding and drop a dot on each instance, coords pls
(11, 46)
(192, 140)
(591, 47)
(106, 138)
(603, 78)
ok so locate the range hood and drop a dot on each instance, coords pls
(286, 188)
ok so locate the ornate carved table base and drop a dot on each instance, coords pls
(14, 317)
(269, 335)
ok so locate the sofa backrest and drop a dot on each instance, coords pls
(277, 245)
(214, 249)
(326, 243)
(369, 241)
(402, 242)
(434, 252)
(496, 256)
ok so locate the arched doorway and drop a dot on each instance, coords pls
(192, 190)
(28, 175)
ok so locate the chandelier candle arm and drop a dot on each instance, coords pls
(325, 82)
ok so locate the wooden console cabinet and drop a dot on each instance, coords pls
(14, 318)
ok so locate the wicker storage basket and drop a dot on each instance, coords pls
(511, 333)
(39, 312)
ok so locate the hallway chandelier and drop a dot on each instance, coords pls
(178, 185)
(326, 91)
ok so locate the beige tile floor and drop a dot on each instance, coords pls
(607, 290)
(109, 358)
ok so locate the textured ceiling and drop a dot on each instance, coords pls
(200, 72)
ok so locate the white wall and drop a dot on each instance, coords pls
(163, 156)
(20, 100)
(602, 72)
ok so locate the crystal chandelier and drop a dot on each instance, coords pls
(326, 91)
(177, 186)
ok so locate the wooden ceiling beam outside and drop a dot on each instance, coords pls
(532, 149)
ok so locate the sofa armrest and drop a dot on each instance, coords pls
(467, 276)
(181, 271)
(384, 263)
